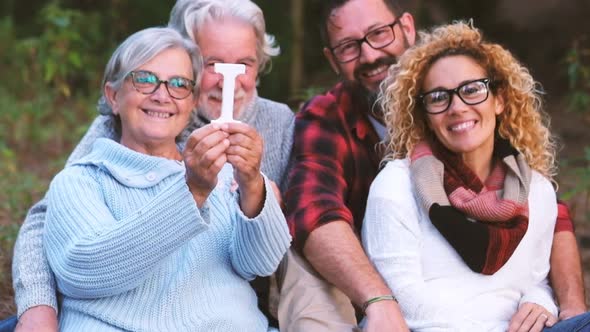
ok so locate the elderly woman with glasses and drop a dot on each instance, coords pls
(460, 220)
(144, 235)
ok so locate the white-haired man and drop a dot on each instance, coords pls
(226, 31)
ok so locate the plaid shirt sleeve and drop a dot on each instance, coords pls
(564, 221)
(319, 170)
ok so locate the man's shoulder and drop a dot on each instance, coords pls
(272, 111)
(273, 107)
(325, 104)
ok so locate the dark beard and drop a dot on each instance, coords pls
(361, 93)
(386, 60)
(371, 97)
(364, 99)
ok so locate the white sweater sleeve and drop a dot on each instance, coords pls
(542, 295)
(392, 239)
(542, 223)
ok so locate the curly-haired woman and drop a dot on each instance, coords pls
(460, 220)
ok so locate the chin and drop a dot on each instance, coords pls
(209, 114)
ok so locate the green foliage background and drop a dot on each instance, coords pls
(53, 53)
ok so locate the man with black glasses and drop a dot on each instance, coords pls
(335, 158)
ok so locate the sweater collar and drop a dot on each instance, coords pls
(129, 167)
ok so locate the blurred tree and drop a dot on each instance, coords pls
(298, 28)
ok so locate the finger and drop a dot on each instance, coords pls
(204, 178)
(210, 141)
(206, 152)
(238, 127)
(198, 134)
(202, 144)
(217, 165)
(536, 317)
(240, 140)
(520, 316)
(242, 166)
(207, 156)
(245, 147)
(539, 323)
(551, 320)
(243, 131)
(246, 152)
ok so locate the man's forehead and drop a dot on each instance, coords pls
(357, 17)
(231, 41)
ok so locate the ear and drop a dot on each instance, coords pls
(333, 63)
(110, 94)
(408, 28)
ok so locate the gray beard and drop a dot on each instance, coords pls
(243, 112)
(200, 117)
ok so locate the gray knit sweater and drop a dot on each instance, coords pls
(33, 281)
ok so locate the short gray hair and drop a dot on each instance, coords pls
(188, 16)
(140, 48)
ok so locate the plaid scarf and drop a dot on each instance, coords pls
(483, 221)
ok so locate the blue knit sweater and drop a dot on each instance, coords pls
(131, 251)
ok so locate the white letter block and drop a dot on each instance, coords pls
(229, 71)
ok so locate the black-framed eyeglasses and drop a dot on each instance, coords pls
(146, 82)
(377, 38)
(471, 93)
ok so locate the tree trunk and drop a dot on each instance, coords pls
(297, 24)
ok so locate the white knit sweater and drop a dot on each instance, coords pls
(131, 251)
(435, 288)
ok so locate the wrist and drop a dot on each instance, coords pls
(252, 197)
(577, 306)
(199, 195)
(375, 300)
(253, 187)
(38, 318)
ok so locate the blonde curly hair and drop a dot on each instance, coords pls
(523, 122)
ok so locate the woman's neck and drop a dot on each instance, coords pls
(166, 150)
(482, 167)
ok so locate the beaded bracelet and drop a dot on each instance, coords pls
(377, 299)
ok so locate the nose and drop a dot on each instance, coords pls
(368, 54)
(161, 94)
(237, 82)
(219, 78)
(456, 104)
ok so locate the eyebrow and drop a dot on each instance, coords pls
(211, 58)
(440, 88)
(249, 60)
(369, 29)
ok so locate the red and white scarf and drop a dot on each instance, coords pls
(483, 221)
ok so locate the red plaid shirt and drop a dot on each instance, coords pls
(335, 158)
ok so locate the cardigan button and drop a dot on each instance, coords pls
(151, 176)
